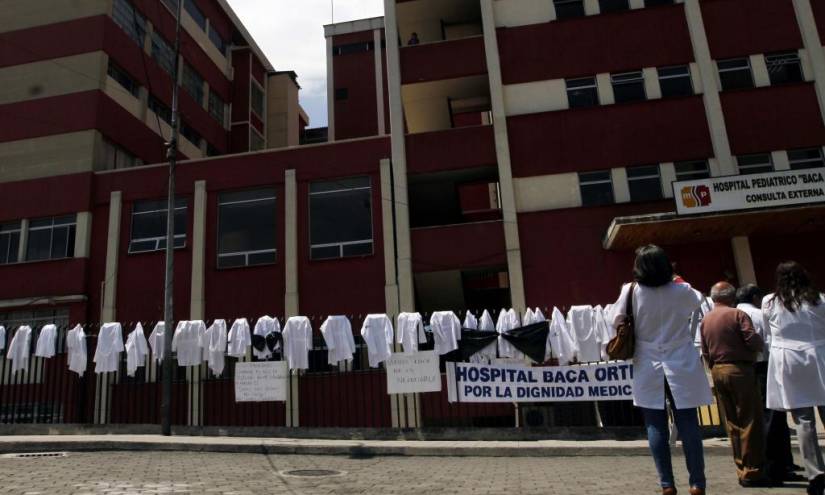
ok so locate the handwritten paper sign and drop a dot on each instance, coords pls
(261, 382)
(414, 372)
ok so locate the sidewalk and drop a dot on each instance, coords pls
(260, 445)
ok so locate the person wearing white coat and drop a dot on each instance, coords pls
(795, 314)
(666, 361)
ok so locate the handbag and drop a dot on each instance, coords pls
(623, 345)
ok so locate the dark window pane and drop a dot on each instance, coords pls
(596, 188)
(231, 261)
(353, 48)
(123, 78)
(320, 253)
(340, 213)
(675, 81)
(9, 242)
(149, 225)
(39, 246)
(582, 92)
(163, 53)
(784, 68)
(735, 74)
(644, 183)
(606, 6)
(195, 13)
(262, 258)
(257, 100)
(216, 107)
(653, 3)
(217, 40)
(60, 242)
(692, 170)
(566, 9)
(362, 249)
(162, 111)
(193, 83)
(806, 158)
(755, 164)
(629, 86)
(256, 142)
(246, 225)
(125, 16)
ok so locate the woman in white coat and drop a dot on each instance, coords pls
(795, 314)
(665, 363)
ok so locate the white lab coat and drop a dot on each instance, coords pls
(337, 333)
(410, 331)
(470, 322)
(297, 334)
(488, 353)
(796, 367)
(46, 341)
(136, 350)
(377, 333)
(239, 338)
(263, 327)
(20, 348)
(186, 342)
(507, 320)
(213, 343)
(157, 342)
(2, 338)
(759, 327)
(76, 349)
(446, 328)
(664, 348)
(109, 347)
(559, 340)
(581, 321)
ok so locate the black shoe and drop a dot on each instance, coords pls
(817, 485)
(796, 468)
(761, 483)
(791, 476)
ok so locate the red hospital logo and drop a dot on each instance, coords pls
(696, 196)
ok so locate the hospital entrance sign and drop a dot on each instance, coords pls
(744, 192)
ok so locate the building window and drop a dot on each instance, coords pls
(51, 238)
(654, 3)
(675, 81)
(217, 40)
(755, 164)
(9, 242)
(246, 228)
(149, 225)
(582, 92)
(216, 107)
(195, 13)
(364, 46)
(596, 188)
(256, 141)
(34, 319)
(340, 218)
(256, 99)
(341, 94)
(784, 67)
(163, 53)
(130, 20)
(607, 6)
(735, 73)
(115, 157)
(189, 133)
(123, 78)
(692, 170)
(628, 86)
(160, 109)
(566, 9)
(799, 159)
(644, 183)
(193, 83)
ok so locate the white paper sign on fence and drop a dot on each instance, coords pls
(414, 372)
(261, 382)
(495, 383)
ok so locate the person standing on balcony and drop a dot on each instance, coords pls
(795, 314)
(413, 39)
(730, 347)
(666, 364)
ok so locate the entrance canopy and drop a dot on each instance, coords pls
(627, 233)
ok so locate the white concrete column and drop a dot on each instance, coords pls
(667, 172)
(24, 239)
(331, 93)
(637, 4)
(605, 89)
(390, 282)
(379, 82)
(780, 160)
(505, 174)
(406, 297)
(291, 282)
(197, 299)
(621, 191)
(759, 69)
(83, 234)
(813, 45)
(710, 88)
(805, 62)
(591, 7)
(651, 79)
(112, 254)
(745, 272)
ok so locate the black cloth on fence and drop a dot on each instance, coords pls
(271, 341)
(530, 339)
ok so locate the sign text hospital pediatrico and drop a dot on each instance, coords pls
(261, 381)
(503, 383)
(743, 192)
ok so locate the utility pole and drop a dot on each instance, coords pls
(169, 282)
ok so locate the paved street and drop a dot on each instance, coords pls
(192, 472)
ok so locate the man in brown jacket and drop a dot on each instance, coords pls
(730, 346)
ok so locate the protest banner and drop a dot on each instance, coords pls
(468, 382)
(413, 372)
(263, 381)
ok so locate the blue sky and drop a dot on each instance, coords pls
(291, 34)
